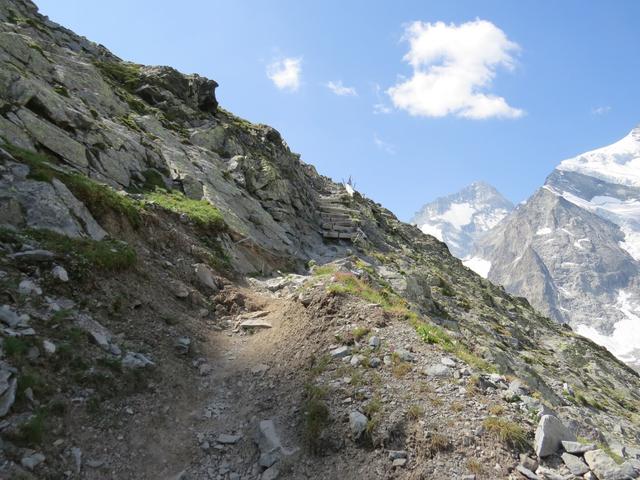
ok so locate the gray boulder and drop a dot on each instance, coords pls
(549, 436)
(357, 424)
(604, 467)
(575, 465)
(268, 439)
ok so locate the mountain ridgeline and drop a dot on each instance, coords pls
(461, 218)
(183, 297)
(573, 248)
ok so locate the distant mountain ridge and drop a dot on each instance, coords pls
(458, 219)
(573, 248)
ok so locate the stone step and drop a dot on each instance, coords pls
(338, 228)
(339, 235)
(334, 206)
(334, 198)
(340, 221)
(336, 209)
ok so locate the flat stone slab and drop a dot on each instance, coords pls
(575, 464)
(227, 439)
(527, 473)
(251, 315)
(577, 448)
(340, 352)
(255, 323)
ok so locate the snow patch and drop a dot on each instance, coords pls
(432, 230)
(578, 243)
(478, 265)
(624, 342)
(458, 215)
(617, 163)
(631, 242)
(543, 231)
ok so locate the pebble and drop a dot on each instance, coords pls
(227, 439)
(60, 273)
(340, 352)
(49, 347)
(28, 287)
(32, 461)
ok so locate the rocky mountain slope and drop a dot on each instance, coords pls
(572, 248)
(460, 218)
(177, 302)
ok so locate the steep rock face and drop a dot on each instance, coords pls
(583, 228)
(119, 123)
(459, 219)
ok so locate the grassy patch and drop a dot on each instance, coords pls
(110, 255)
(130, 122)
(373, 407)
(445, 288)
(316, 418)
(126, 75)
(399, 368)
(320, 364)
(616, 458)
(32, 432)
(434, 443)
(506, 431)
(200, 211)
(475, 466)
(349, 284)
(323, 270)
(14, 347)
(38, 385)
(61, 90)
(152, 179)
(360, 332)
(496, 409)
(99, 199)
(436, 335)
(415, 411)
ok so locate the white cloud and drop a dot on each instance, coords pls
(384, 146)
(381, 108)
(285, 73)
(452, 65)
(601, 110)
(339, 89)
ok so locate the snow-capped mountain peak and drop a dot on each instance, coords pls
(457, 219)
(617, 163)
(573, 248)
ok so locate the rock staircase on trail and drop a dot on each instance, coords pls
(338, 221)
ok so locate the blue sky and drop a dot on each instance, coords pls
(534, 82)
